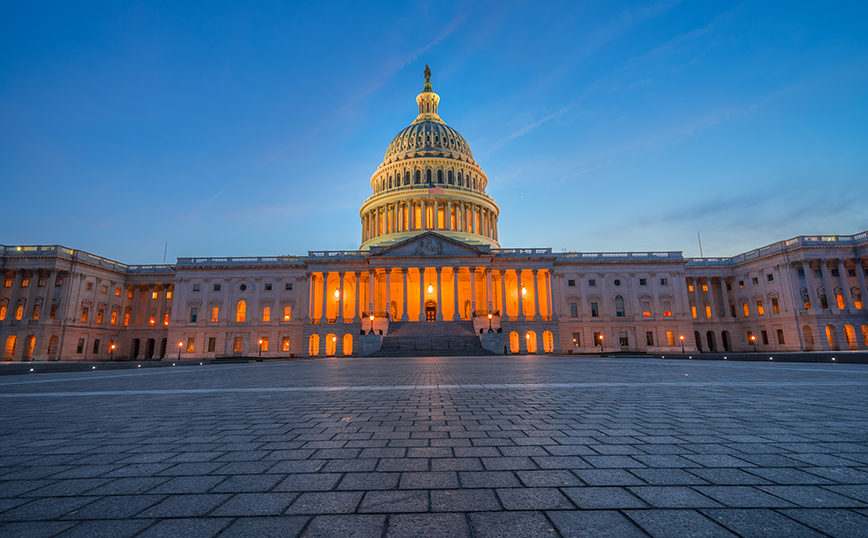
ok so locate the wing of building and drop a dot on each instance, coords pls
(430, 278)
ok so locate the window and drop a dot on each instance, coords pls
(155, 294)
(802, 273)
(114, 318)
(240, 311)
(745, 309)
(41, 282)
(99, 315)
(780, 337)
(622, 339)
(707, 311)
(212, 344)
(574, 310)
(667, 308)
(287, 313)
(649, 338)
(670, 338)
(770, 277)
(25, 283)
(126, 318)
(577, 340)
(195, 287)
(117, 292)
(288, 286)
(598, 339)
(834, 272)
(765, 337)
(237, 344)
(616, 282)
(775, 308)
(754, 281)
(284, 345)
(705, 287)
(824, 302)
(592, 282)
(268, 286)
(215, 314)
(741, 283)
(104, 289)
(646, 308)
(191, 344)
(130, 294)
(571, 282)
(96, 346)
(84, 312)
(818, 273)
(194, 314)
(19, 312)
(263, 343)
(266, 313)
(619, 306)
(750, 338)
(690, 288)
(152, 321)
(595, 311)
(693, 310)
(2, 312)
(7, 283)
(729, 286)
(216, 287)
(80, 347)
(664, 281)
(851, 272)
(643, 281)
(168, 295)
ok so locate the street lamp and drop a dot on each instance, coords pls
(682, 343)
(111, 352)
(260, 347)
(180, 345)
(372, 324)
(753, 342)
(601, 342)
(489, 323)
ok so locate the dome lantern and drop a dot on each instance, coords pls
(428, 101)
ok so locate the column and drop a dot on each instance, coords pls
(411, 206)
(502, 275)
(307, 298)
(162, 318)
(404, 315)
(424, 205)
(133, 312)
(520, 298)
(358, 290)
(536, 312)
(389, 292)
(725, 295)
(696, 299)
(860, 274)
(488, 289)
(148, 308)
(456, 315)
(548, 283)
(436, 223)
(439, 295)
(341, 315)
(830, 290)
(325, 295)
(473, 224)
(472, 291)
(421, 294)
(813, 299)
(711, 302)
(45, 315)
(370, 292)
(845, 286)
(31, 299)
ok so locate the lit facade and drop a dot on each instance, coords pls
(430, 254)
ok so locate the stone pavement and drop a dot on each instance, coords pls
(507, 446)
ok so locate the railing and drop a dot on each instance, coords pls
(674, 255)
(336, 253)
(802, 240)
(255, 260)
(521, 251)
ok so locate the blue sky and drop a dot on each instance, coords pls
(243, 130)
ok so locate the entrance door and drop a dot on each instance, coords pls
(430, 311)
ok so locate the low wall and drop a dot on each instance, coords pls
(848, 357)
(369, 343)
(493, 342)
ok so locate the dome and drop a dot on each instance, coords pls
(429, 138)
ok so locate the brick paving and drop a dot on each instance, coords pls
(510, 446)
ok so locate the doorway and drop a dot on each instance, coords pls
(430, 311)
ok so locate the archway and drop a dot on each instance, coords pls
(548, 342)
(52, 347)
(709, 336)
(809, 338)
(513, 342)
(149, 350)
(29, 345)
(530, 338)
(348, 345)
(313, 345)
(331, 345)
(831, 337)
(9, 351)
(698, 338)
(431, 311)
(724, 339)
(135, 349)
(850, 336)
(163, 344)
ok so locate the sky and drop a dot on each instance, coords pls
(253, 129)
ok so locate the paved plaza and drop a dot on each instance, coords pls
(484, 447)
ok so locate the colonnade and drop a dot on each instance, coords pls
(429, 214)
(831, 275)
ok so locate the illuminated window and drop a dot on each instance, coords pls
(780, 337)
(667, 308)
(96, 346)
(25, 283)
(212, 344)
(154, 295)
(215, 314)
(80, 347)
(194, 314)
(130, 294)
(571, 282)
(649, 338)
(104, 289)
(36, 311)
(2, 312)
(191, 344)
(7, 283)
(288, 286)
(741, 283)
(19, 312)
(41, 282)
(592, 282)
(770, 277)
(693, 310)
(264, 343)
(114, 318)
(99, 315)
(690, 287)
(168, 295)
(195, 287)
(84, 311)
(595, 311)
(266, 313)
(622, 339)
(664, 282)
(745, 309)
(58, 282)
(117, 292)
(705, 287)
(166, 319)
(598, 339)
(287, 313)
(841, 303)
(574, 310)
(217, 287)
(857, 302)
(765, 337)
(152, 321)
(237, 344)
(707, 311)
(643, 281)
(89, 286)
(284, 346)
(577, 340)
(670, 338)
(646, 308)
(126, 318)
(776, 309)
(240, 311)
(268, 287)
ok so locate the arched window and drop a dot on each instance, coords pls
(449, 179)
(331, 345)
(9, 351)
(313, 345)
(266, 313)
(460, 181)
(240, 311)
(513, 342)
(348, 345)
(439, 176)
(418, 177)
(619, 306)
(809, 338)
(830, 337)
(530, 338)
(548, 342)
(428, 176)
(407, 177)
(390, 182)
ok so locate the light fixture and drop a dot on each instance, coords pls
(527, 336)
(430, 288)
(523, 290)
(337, 294)
(334, 338)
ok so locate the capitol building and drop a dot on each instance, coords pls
(432, 278)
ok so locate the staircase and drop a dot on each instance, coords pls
(431, 339)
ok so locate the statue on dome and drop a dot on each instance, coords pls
(427, 75)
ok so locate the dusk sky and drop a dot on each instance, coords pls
(232, 129)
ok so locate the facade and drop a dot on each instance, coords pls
(430, 254)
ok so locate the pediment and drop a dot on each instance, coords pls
(430, 244)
